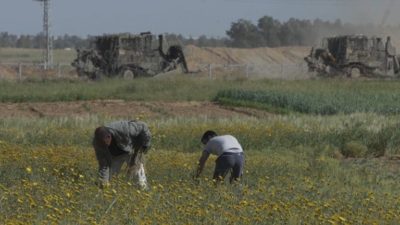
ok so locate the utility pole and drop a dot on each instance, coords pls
(47, 38)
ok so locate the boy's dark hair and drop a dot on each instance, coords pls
(101, 133)
(207, 135)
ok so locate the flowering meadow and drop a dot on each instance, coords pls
(295, 173)
(324, 152)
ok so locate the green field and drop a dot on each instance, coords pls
(305, 96)
(21, 55)
(302, 167)
(320, 98)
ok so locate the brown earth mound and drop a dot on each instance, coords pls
(265, 61)
(281, 63)
(197, 57)
(8, 72)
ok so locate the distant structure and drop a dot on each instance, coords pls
(47, 38)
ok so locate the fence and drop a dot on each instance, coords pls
(251, 71)
(21, 71)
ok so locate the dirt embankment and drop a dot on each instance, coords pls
(261, 60)
(283, 62)
(8, 72)
(197, 57)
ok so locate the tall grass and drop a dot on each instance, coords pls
(48, 168)
(48, 173)
(378, 97)
(181, 88)
(311, 96)
(380, 135)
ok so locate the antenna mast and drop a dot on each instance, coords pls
(47, 38)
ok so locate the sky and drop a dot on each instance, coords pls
(186, 17)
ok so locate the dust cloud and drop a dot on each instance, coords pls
(369, 17)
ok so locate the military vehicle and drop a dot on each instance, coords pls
(354, 56)
(128, 56)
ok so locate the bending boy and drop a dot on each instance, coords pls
(122, 142)
(229, 152)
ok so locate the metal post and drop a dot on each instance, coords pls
(210, 71)
(19, 71)
(58, 70)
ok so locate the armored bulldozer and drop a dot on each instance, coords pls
(128, 56)
(354, 56)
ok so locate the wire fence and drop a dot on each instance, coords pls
(251, 71)
(23, 71)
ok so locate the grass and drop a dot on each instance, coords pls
(50, 178)
(344, 97)
(316, 97)
(21, 55)
(153, 89)
(294, 172)
(380, 135)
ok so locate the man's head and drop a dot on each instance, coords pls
(207, 136)
(102, 135)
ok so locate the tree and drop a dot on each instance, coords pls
(269, 29)
(23, 42)
(297, 32)
(244, 34)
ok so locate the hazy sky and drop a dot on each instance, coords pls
(187, 17)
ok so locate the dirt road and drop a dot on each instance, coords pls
(128, 110)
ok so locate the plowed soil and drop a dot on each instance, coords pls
(128, 110)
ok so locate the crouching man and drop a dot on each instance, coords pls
(229, 152)
(122, 142)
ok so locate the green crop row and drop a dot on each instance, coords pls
(319, 101)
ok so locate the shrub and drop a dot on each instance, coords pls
(354, 149)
